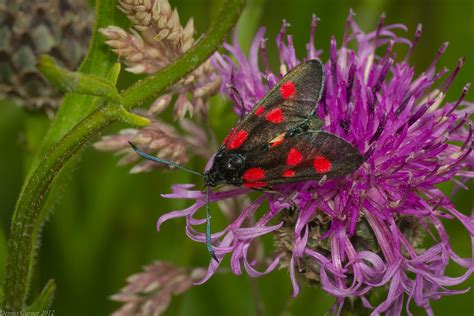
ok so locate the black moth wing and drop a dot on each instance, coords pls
(310, 155)
(289, 102)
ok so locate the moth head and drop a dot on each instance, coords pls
(227, 167)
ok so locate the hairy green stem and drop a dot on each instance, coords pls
(21, 248)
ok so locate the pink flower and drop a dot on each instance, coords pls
(363, 231)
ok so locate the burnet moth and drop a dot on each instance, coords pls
(279, 141)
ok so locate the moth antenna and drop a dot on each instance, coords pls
(163, 161)
(208, 228)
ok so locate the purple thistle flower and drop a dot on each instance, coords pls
(363, 231)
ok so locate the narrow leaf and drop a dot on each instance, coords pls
(44, 300)
(113, 73)
(131, 118)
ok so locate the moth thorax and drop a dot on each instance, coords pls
(364, 239)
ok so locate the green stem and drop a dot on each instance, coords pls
(21, 245)
(21, 248)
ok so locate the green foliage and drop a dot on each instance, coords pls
(53, 157)
(77, 82)
(44, 300)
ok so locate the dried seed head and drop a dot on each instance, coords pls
(30, 28)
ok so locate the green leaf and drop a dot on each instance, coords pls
(44, 300)
(77, 82)
(131, 118)
(119, 111)
(113, 73)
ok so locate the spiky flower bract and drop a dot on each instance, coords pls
(363, 232)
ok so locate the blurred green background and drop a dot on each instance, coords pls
(103, 228)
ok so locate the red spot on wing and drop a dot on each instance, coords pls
(236, 139)
(275, 116)
(253, 174)
(259, 110)
(255, 184)
(294, 157)
(289, 173)
(276, 143)
(287, 89)
(227, 138)
(321, 164)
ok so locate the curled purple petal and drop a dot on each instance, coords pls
(363, 231)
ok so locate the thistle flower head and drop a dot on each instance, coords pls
(355, 234)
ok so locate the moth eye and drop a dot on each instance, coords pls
(235, 162)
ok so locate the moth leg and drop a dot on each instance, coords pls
(208, 229)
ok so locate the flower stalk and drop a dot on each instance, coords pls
(21, 242)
